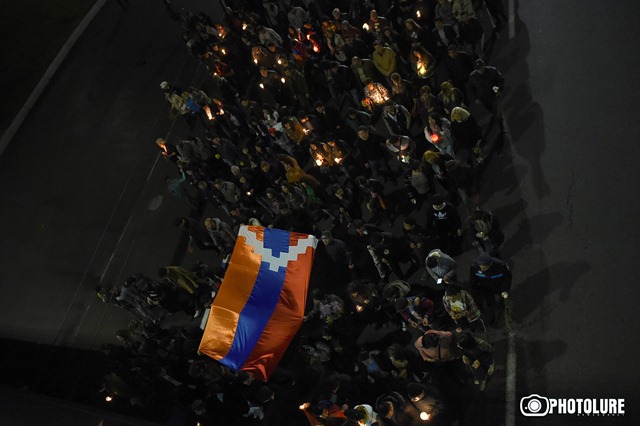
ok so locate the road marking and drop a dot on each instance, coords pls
(512, 19)
(510, 388)
(48, 75)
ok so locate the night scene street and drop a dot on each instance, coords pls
(369, 245)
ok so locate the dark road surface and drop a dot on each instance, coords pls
(79, 178)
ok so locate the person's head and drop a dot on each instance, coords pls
(356, 61)
(429, 340)
(425, 93)
(265, 166)
(437, 202)
(410, 24)
(336, 14)
(377, 46)
(271, 46)
(484, 262)
(432, 261)
(415, 391)
(447, 88)
(452, 50)
(356, 414)
(459, 114)
(373, 15)
(390, 107)
(363, 132)
(435, 120)
(479, 66)
(318, 106)
(326, 237)
(453, 290)
(386, 409)
(210, 224)
(401, 304)
(395, 77)
(264, 71)
(430, 156)
(409, 223)
(439, 23)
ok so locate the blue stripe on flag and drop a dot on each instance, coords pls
(261, 303)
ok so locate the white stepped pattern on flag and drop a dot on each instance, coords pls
(273, 262)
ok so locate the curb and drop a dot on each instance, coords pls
(48, 75)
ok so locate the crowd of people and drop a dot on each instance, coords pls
(348, 120)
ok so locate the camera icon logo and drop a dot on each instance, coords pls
(534, 405)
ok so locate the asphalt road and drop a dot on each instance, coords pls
(79, 178)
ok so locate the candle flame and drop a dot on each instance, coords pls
(261, 86)
(417, 13)
(365, 26)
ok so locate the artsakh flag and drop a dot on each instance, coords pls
(261, 301)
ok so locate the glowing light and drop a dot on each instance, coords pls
(255, 61)
(224, 52)
(422, 68)
(282, 80)
(358, 308)
(365, 26)
(305, 131)
(279, 62)
(262, 86)
(435, 138)
(417, 14)
(319, 161)
(244, 26)
(108, 398)
(424, 416)
(207, 110)
(316, 48)
(338, 160)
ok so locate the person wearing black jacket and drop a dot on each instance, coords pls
(490, 280)
(444, 220)
(485, 86)
(372, 148)
(344, 82)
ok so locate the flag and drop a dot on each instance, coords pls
(261, 301)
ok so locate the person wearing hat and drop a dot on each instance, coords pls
(490, 280)
(445, 222)
(486, 84)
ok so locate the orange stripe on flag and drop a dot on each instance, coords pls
(233, 295)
